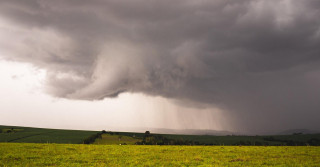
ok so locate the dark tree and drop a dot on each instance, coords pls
(147, 133)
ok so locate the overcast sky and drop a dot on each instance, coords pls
(250, 66)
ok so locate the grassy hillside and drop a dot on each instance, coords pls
(39, 135)
(24, 154)
(116, 139)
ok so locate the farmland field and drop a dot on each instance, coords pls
(116, 139)
(41, 135)
(27, 154)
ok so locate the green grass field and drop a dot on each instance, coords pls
(40, 135)
(27, 154)
(108, 139)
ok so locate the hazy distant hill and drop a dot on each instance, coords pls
(298, 131)
(192, 132)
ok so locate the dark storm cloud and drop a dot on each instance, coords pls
(258, 60)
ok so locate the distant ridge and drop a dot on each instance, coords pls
(298, 131)
(192, 132)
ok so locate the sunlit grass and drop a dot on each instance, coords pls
(24, 154)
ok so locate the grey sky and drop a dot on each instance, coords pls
(257, 61)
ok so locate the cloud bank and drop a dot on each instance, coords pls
(259, 61)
